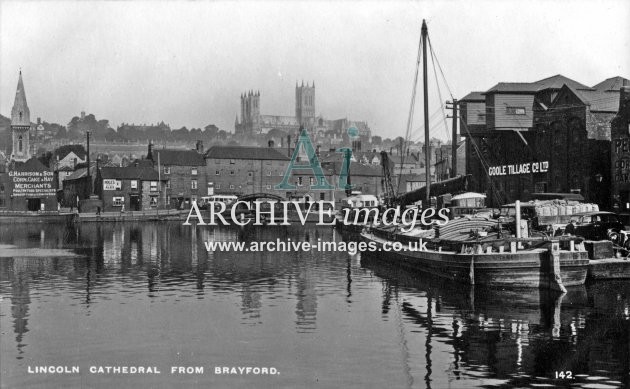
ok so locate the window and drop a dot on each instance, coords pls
(269, 173)
(299, 181)
(1, 188)
(118, 201)
(232, 162)
(154, 186)
(217, 186)
(311, 181)
(193, 184)
(217, 173)
(268, 186)
(193, 171)
(20, 139)
(515, 110)
(231, 186)
(153, 201)
(134, 184)
(167, 170)
(168, 184)
(231, 172)
(249, 174)
(322, 196)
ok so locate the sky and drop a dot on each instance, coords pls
(187, 62)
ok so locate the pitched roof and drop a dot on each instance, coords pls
(64, 150)
(553, 82)
(474, 96)
(611, 84)
(514, 87)
(556, 82)
(356, 169)
(130, 173)
(178, 157)
(32, 165)
(599, 101)
(244, 152)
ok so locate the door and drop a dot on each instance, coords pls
(134, 203)
(33, 204)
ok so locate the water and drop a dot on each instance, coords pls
(150, 295)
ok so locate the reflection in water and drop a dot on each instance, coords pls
(151, 294)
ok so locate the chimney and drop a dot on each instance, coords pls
(150, 150)
(39, 120)
(289, 146)
(82, 115)
(199, 146)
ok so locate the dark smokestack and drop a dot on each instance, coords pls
(199, 146)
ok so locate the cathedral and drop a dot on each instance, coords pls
(253, 123)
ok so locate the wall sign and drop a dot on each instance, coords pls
(520, 168)
(110, 184)
(32, 184)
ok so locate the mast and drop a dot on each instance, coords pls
(427, 154)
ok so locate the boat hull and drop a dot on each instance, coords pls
(529, 269)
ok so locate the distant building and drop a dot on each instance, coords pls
(184, 172)
(69, 156)
(252, 122)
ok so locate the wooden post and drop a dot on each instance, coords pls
(553, 268)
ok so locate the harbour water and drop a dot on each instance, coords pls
(150, 295)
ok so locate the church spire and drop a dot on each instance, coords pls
(20, 114)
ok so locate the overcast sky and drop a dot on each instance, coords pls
(186, 62)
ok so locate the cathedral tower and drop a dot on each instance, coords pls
(20, 125)
(305, 103)
(250, 111)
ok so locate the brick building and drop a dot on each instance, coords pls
(552, 135)
(239, 170)
(184, 172)
(620, 152)
(136, 188)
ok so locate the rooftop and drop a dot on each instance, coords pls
(178, 157)
(245, 152)
(474, 96)
(130, 173)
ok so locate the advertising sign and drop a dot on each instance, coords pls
(519, 168)
(110, 184)
(32, 183)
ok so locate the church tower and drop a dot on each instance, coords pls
(305, 103)
(20, 125)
